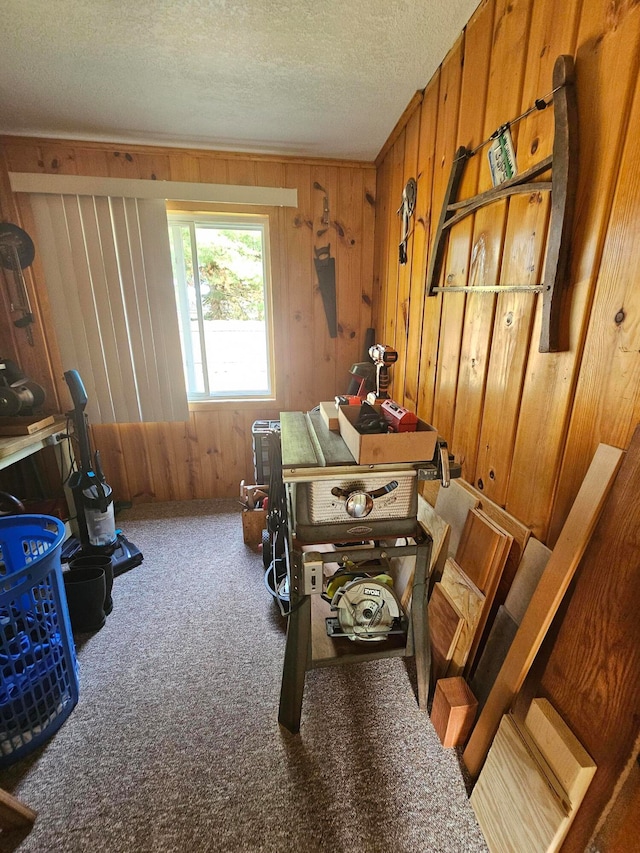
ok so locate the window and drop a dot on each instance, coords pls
(222, 287)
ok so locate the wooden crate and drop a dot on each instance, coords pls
(254, 522)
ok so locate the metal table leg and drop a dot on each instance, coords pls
(420, 622)
(297, 654)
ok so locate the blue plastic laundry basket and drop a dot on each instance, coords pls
(38, 666)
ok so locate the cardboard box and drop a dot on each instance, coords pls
(418, 446)
(254, 521)
(329, 412)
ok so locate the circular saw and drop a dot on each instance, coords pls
(368, 609)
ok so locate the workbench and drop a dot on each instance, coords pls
(13, 448)
(311, 452)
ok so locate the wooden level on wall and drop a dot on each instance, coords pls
(563, 166)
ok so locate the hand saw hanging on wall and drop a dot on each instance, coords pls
(326, 271)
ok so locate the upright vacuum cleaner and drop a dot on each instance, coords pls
(93, 497)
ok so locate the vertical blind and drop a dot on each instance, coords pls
(107, 266)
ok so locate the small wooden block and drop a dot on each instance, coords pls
(329, 412)
(453, 711)
(25, 425)
(254, 522)
(568, 759)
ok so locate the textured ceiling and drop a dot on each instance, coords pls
(318, 79)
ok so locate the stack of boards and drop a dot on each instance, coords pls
(532, 783)
(485, 567)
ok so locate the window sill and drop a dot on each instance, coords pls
(237, 403)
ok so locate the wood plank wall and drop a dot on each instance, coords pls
(524, 424)
(209, 455)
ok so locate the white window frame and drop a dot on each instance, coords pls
(255, 221)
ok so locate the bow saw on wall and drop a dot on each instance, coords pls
(563, 166)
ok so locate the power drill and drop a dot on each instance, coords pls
(382, 356)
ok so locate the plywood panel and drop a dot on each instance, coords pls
(439, 531)
(519, 531)
(477, 549)
(515, 807)
(469, 601)
(453, 505)
(445, 624)
(533, 563)
(501, 635)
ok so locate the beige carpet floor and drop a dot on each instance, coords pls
(175, 746)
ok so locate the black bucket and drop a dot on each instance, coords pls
(100, 561)
(86, 592)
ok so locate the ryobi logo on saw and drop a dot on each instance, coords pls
(369, 591)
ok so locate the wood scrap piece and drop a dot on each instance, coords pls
(515, 806)
(490, 608)
(514, 527)
(476, 551)
(445, 625)
(14, 814)
(439, 531)
(568, 759)
(495, 651)
(546, 599)
(469, 601)
(453, 710)
(453, 504)
(534, 560)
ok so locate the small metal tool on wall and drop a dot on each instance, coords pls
(16, 253)
(406, 210)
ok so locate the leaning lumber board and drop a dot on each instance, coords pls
(490, 607)
(498, 643)
(532, 565)
(453, 504)
(568, 759)
(445, 625)
(544, 604)
(512, 525)
(439, 531)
